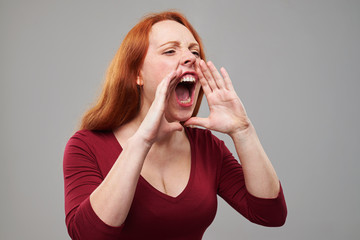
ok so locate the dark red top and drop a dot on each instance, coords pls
(89, 155)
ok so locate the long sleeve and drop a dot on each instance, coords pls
(81, 177)
(231, 187)
(154, 215)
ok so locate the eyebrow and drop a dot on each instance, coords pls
(176, 43)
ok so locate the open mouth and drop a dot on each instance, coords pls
(185, 90)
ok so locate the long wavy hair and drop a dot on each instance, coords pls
(119, 101)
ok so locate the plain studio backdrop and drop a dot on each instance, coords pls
(294, 64)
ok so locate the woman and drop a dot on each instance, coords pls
(136, 170)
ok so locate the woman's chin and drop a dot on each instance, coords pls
(178, 117)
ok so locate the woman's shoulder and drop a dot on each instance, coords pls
(91, 137)
(197, 132)
(92, 143)
(201, 135)
(209, 150)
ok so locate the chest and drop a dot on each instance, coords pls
(168, 172)
(187, 214)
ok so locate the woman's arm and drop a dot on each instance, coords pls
(228, 115)
(260, 176)
(112, 199)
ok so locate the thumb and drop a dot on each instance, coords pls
(202, 122)
(175, 126)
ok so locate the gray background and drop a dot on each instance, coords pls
(295, 65)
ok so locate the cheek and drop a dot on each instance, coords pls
(166, 67)
(154, 70)
(158, 72)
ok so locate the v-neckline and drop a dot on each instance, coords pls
(187, 187)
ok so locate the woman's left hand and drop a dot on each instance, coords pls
(227, 113)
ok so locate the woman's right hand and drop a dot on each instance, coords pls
(155, 126)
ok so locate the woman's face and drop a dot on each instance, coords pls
(171, 46)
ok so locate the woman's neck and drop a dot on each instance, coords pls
(124, 132)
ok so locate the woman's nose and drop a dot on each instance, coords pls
(188, 58)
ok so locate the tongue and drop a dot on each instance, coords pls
(182, 92)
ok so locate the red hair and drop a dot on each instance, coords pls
(119, 101)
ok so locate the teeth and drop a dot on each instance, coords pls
(186, 101)
(188, 78)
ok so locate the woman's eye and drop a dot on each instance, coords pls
(196, 53)
(169, 52)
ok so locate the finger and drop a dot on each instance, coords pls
(175, 126)
(217, 77)
(208, 76)
(163, 87)
(205, 86)
(164, 84)
(202, 122)
(172, 78)
(173, 82)
(161, 92)
(227, 80)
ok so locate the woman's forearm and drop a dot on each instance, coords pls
(112, 199)
(260, 176)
